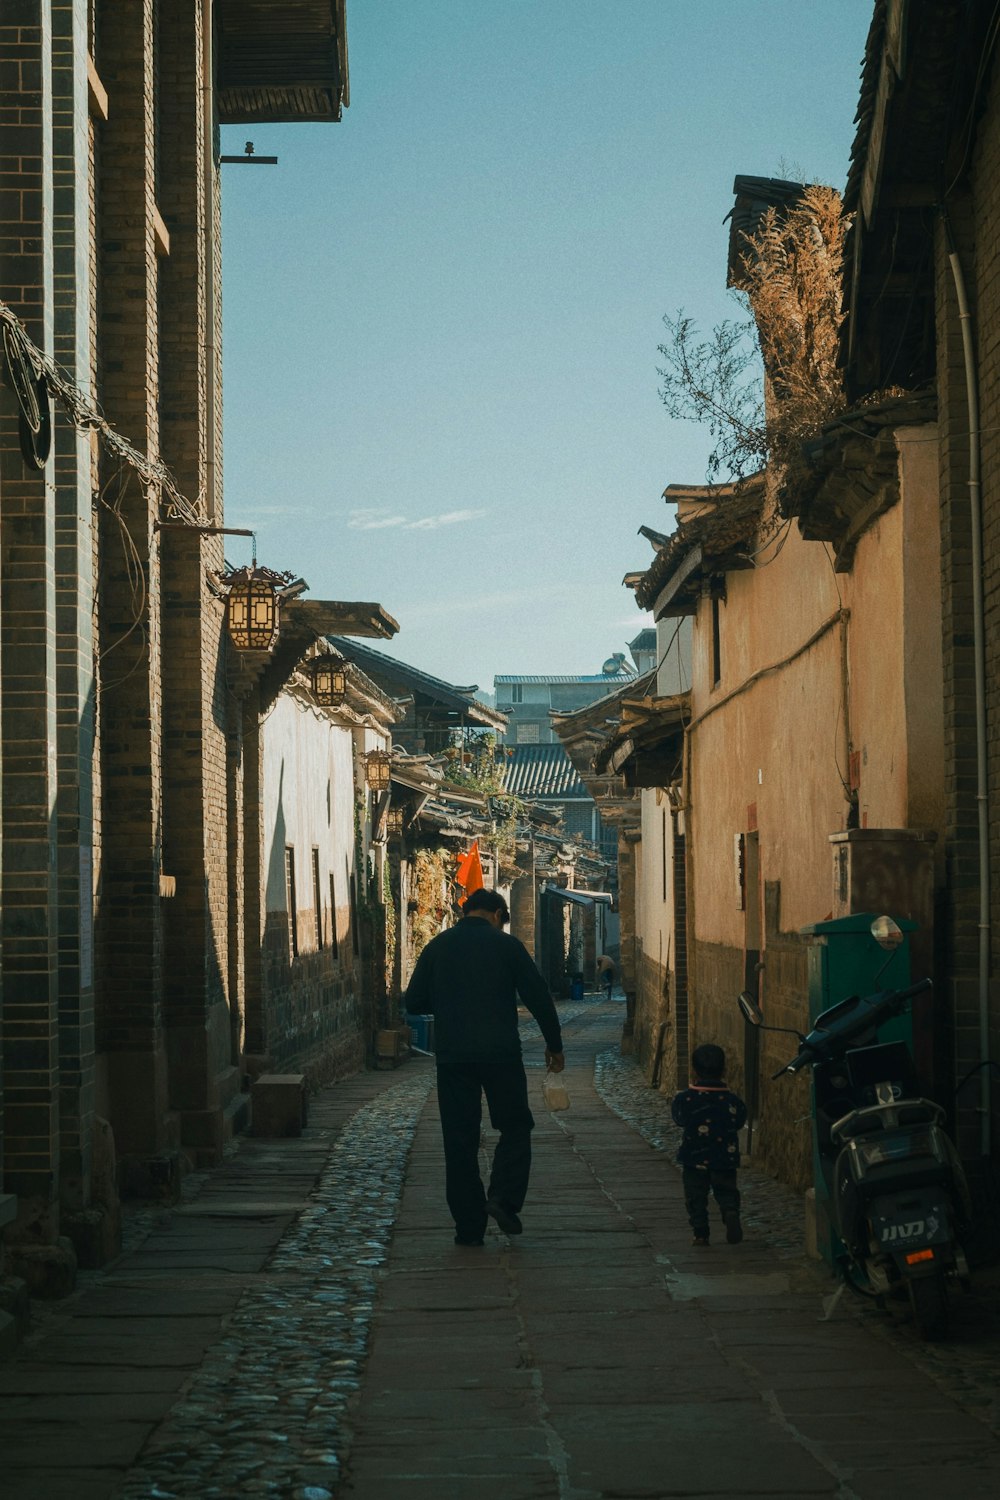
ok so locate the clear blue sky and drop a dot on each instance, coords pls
(442, 315)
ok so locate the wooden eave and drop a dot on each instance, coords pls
(648, 748)
(849, 474)
(912, 147)
(304, 622)
(712, 540)
(280, 60)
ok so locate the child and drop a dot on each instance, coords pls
(710, 1152)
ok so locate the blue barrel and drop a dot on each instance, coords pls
(576, 988)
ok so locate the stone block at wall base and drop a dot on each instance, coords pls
(392, 1046)
(279, 1105)
(96, 1235)
(48, 1271)
(152, 1177)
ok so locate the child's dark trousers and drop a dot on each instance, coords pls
(697, 1184)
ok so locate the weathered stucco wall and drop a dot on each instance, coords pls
(811, 683)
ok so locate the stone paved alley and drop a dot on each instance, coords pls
(302, 1326)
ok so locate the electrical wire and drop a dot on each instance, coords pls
(86, 416)
(135, 574)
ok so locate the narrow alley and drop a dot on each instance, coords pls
(302, 1326)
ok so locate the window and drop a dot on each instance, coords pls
(317, 900)
(716, 643)
(517, 693)
(290, 903)
(334, 943)
(527, 734)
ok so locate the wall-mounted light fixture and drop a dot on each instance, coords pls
(378, 770)
(394, 822)
(252, 606)
(329, 679)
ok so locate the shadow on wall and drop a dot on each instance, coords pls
(274, 895)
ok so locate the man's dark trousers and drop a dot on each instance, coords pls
(462, 1079)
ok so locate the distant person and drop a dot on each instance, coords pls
(469, 979)
(606, 972)
(710, 1115)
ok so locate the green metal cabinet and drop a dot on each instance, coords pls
(845, 960)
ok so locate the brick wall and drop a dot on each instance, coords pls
(977, 234)
(653, 1009)
(27, 645)
(72, 236)
(130, 986)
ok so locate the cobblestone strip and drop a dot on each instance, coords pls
(264, 1415)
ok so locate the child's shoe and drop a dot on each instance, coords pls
(734, 1229)
(700, 1239)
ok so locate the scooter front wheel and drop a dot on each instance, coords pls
(929, 1301)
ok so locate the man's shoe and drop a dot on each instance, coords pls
(734, 1229)
(700, 1239)
(506, 1218)
(468, 1239)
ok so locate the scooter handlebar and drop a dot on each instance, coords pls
(867, 1013)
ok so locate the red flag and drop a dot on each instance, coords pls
(470, 870)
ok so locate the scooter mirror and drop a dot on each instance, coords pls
(751, 1010)
(886, 933)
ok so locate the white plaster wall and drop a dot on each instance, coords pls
(673, 656)
(308, 803)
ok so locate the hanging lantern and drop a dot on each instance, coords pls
(252, 607)
(378, 770)
(329, 680)
(394, 822)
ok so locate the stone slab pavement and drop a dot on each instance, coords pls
(601, 1355)
(280, 1335)
(102, 1370)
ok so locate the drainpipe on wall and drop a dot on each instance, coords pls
(979, 650)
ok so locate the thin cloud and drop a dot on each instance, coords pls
(272, 512)
(373, 520)
(376, 520)
(446, 518)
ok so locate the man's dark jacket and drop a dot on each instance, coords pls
(469, 979)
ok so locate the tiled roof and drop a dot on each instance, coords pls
(541, 771)
(754, 196)
(400, 674)
(613, 679)
(721, 530)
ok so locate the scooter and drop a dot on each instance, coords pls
(897, 1193)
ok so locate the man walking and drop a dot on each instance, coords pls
(606, 972)
(469, 979)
